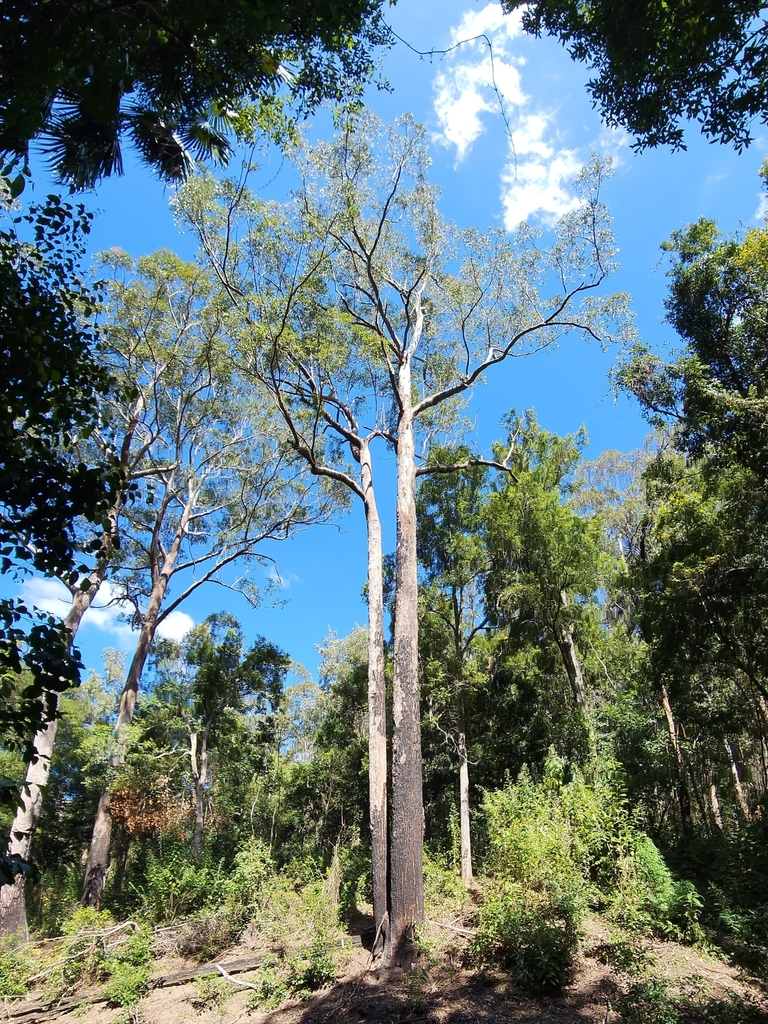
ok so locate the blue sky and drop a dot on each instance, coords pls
(494, 170)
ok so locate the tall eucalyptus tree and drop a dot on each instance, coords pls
(369, 317)
(209, 480)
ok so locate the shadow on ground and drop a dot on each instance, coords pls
(442, 996)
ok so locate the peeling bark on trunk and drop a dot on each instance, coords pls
(466, 838)
(377, 699)
(683, 796)
(407, 829)
(13, 915)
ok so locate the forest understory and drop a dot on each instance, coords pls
(615, 977)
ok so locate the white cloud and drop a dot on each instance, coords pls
(536, 179)
(107, 612)
(465, 89)
(176, 626)
(48, 595)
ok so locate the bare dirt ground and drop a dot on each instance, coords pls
(430, 988)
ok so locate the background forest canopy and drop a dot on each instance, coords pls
(564, 672)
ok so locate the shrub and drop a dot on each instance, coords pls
(244, 888)
(646, 897)
(534, 934)
(126, 985)
(173, 886)
(577, 840)
(13, 971)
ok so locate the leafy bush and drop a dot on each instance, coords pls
(535, 934)
(13, 972)
(574, 842)
(312, 968)
(647, 898)
(211, 991)
(651, 1001)
(355, 883)
(126, 984)
(173, 886)
(627, 957)
(244, 888)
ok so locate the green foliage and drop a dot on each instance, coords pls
(626, 957)
(355, 882)
(171, 885)
(133, 74)
(652, 1000)
(211, 993)
(128, 970)
(534, 934)
(295, 970)
(54, 501)
(301, 972)
(313, 967)
(271, 985)
(555, 846)
(656, 65)
(244, 888)
(94, 950)
(645, 896)
(14, 970)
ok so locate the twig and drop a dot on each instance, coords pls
(454, 928)
(235, 981)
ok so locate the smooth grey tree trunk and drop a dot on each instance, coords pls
(738, 789)
(200, 775)
(407, 828)
(572, 661)
(467, 875)
(714, 804)
(377, 703)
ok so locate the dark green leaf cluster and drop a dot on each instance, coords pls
(657, 63)
(51, 386)
(169, 75)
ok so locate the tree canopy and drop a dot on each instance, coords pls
(170, 75)
(657, 64)
(52, 384)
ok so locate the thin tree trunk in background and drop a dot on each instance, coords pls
(572, 663)
(200, 773)
(467, 875)
(13, 915)
(714, 803)
(407, 828)
(741, 800)
(98, 854)
(377, 702)
(683, 796)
